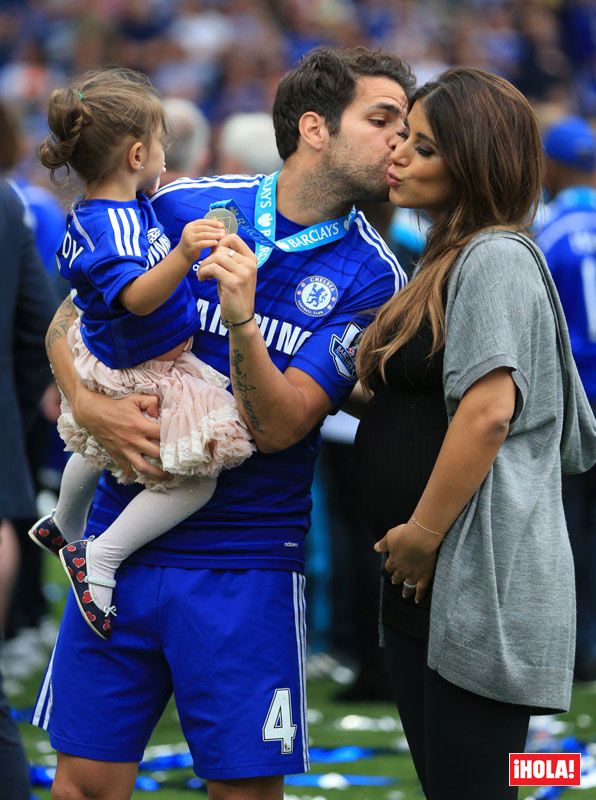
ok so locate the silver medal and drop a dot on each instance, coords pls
(226, 217)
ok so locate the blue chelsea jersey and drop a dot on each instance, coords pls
(311, 307)
(567, 236)
(107, 244)
(44, 216)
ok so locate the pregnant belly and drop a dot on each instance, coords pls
(397, 443)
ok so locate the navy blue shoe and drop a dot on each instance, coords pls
(75, 561)
(46, 534)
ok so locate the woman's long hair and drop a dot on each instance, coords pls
(487, 133)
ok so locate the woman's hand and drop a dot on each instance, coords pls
(412, 555)
(234, 266)
(124, 427)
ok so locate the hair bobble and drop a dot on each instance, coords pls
(81, 96)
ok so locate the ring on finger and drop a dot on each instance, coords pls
(409, 585)
(231, 253)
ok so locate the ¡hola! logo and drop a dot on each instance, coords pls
(544, 769)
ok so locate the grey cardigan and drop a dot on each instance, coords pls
(503, 608)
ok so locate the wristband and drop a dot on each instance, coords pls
(227, 324)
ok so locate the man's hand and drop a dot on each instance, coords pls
(412, 555)
(234, 265)
(124, 427)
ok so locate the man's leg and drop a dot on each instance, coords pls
(235, 644)
(100, 701)
(247, 789)
(84, 779)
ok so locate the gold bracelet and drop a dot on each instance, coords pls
(415, 521)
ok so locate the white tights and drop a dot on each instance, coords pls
(147, 516)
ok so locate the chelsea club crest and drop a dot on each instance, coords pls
(316, 296)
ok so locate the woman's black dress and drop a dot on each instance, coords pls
(397, 444)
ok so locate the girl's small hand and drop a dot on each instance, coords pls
(412, 555)
(200, 234)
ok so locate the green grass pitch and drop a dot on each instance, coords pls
(325, 731)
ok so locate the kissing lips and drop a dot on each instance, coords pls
(392, 179)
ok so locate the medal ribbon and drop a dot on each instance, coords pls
(262, 231)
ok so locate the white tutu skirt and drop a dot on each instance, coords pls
(201, 430)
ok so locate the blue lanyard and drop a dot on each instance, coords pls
(262, 231)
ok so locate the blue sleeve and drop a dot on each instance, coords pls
(51, 222)
(551, 253)
(329, 355)
(560, 259)
(109, 270)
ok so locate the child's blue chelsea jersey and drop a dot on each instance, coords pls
(107, 244)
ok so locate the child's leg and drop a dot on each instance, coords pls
(77, 488)
(146, 517)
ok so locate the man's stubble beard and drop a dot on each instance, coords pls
(353, 183)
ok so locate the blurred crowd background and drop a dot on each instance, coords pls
(227, 56)
(218, 63)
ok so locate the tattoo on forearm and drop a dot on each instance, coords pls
(59, 326)
(243, 388)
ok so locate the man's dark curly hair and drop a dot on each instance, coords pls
(325, 82)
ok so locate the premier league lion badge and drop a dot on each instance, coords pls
(343, 350)
(316, 296)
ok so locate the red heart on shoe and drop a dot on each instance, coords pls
(106, 625)
(86, 598)
(78, 562)
(91, 617)
(80, 576)
(43, 532)
(70, 571)
(71, 548)
(58, 541)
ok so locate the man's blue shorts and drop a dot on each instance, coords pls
(229, 644)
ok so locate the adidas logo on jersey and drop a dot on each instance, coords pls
(159, 249)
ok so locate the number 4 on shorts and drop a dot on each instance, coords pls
(278, 725)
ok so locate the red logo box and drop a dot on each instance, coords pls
(544, 769)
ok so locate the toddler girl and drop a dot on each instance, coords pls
(137, 318)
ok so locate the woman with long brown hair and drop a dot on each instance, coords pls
(476, 407)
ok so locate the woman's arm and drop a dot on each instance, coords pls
(147, 292)
(478, 429)
(119, 425)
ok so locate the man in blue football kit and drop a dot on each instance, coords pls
(567, 236)
(213, 611)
